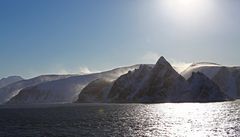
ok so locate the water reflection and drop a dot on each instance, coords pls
(187, 119)
(190, 119)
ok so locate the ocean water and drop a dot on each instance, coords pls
(102, 120)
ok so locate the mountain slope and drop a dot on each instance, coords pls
(126, 86)
(64, 90)
(9, 80)
(202, 89)
(227, 78)
(95, 92)
(7, 92)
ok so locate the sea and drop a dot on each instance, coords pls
(121, 120)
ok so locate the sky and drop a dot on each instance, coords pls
(83, 36)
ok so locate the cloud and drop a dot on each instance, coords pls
(84, 70)
(180, 66)
(150, 57)
(79, 70)
(62, 71)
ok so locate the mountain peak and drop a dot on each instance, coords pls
(162, 62)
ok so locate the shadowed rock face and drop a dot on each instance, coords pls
(27, 95)
(163, 84)
(202, 89)
(149, 85)
(126, 86)
(95, 92)
(228, 79)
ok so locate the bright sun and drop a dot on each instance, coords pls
(186, 11)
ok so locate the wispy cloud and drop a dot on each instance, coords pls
(180, 66)
(79, 70)
(85, 70)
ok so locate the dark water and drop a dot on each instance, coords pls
(209, 119)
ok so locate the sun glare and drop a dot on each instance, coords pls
(187, 11)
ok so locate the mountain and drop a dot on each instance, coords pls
(203, 89)
(227, 78)
(126, 86)
(64, 90)
(200, 82)
(95, 92)
(7, 92)
(163, 84)
(9, 80)
(151, 85)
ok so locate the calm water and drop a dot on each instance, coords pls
(210, 119)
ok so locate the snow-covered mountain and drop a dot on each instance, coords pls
(95, 92)
(163, 84)
(7, 92)
(138, 83)
(9, 80)
(64, 90)
(227, 78)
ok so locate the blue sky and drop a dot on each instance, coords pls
(69, 36)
